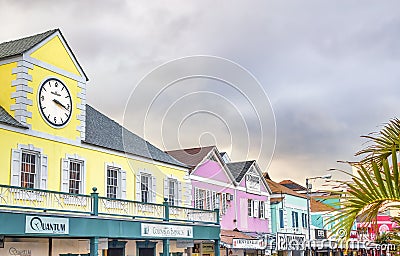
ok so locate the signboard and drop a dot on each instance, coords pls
(206, 248)
(157, 230)
(253, 182)
(320, 234)
(46, 225)
(290, 242)
(239, 243)
(184, 243)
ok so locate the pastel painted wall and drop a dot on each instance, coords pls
(213, 171)
(245, 222)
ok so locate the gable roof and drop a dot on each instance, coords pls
(280, 189)
(317, 206)
(191, 156)
(292, 185)
(19, 46)
(6, 118)
(239, 169)
(105, 132)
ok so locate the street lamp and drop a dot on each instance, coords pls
(327, 177)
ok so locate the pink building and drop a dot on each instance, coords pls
(237, 189)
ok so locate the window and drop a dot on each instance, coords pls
(215, 201)
(224, 205)
(172, 191)
(249, 207)
(28, 167)
(115, 182)
(281, 221)
(112, 182)
(199, 198)
(295, 220)
(73, 174)
(304, 220)
(145, 184)
(75, 177)
(146, 187)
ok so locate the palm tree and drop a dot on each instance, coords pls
(376, 187)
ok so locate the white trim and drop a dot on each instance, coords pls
(54, 69)
(83, 174)
(66, 47)
(80, 144)
(119, 169)
(10, 60)
(30, 147)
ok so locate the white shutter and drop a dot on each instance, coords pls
(123, 184)
(43, 172)
(266, 206)
(16, 167)
(138, 189)
(64, 175)
(179, 193)
(153, 189)
(255, 209)
(196, 198)
(166, 188)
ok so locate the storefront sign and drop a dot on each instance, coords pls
(18, 252)
(207, 248)
(239, 243)
(253, 182)
(46, 225)
(320, 234)
(156, 230)
(184, 243)
(290, 242)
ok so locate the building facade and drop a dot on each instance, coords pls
(75, 181)
(237, 189)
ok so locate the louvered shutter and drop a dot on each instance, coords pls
(138, 188)
(123, 184)
(64, 175)
(43, 172)
(179, 193)
(166, 188)
(153, 189)
(16, 167)
(255, 205)
(266, 212)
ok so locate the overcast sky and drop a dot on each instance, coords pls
(330, 71)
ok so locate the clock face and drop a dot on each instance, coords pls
(55, 103)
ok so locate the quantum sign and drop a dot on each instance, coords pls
(46, 225)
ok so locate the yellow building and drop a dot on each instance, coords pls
(65, 164)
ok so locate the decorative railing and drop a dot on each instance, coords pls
(22, 198)
(126, 208)
(190, 214)
(37, 200)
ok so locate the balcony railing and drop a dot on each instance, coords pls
(36, 200)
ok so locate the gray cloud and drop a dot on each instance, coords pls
(330, 68)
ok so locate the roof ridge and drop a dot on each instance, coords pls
(185, 149)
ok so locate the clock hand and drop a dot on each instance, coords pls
(60, 104)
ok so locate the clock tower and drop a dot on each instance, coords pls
(44, 87)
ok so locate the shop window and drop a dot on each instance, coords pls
(73, 174)
(29, 167)
(115, 182)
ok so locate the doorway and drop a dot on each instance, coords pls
(115, 252)
(146, 251)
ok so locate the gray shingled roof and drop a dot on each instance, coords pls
(6, 118)
(239, 169)
(105, 132)
(19, 46)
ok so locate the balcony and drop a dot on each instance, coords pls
(35, 201)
